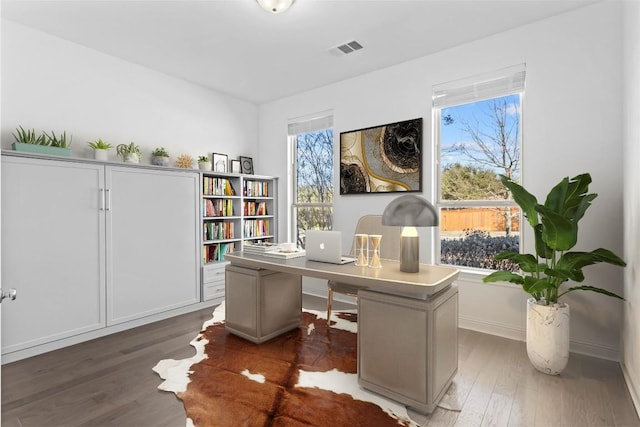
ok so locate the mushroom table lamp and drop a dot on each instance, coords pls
(410, 211)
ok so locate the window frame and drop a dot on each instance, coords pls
(440, 203)
(307, 125)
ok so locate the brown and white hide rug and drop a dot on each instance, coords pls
(306, 377)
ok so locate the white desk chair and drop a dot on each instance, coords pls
(389, 249)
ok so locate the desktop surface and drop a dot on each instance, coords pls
(429, 280)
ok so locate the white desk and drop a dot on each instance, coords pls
(407, 322)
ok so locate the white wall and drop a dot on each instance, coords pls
(51, 84)
(631, 328)
(572, 124)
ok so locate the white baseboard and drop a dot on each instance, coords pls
(508, 331)
(98, 333)
(634, 389)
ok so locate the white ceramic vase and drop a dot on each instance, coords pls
(101, 154)
(204, 166)
(548, 336)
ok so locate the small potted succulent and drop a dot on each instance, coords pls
(160, 157)
(100, 149)
(130, 153)
(204, 163)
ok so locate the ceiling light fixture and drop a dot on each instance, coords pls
(275, 6)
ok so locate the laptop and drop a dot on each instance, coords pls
(325, 246)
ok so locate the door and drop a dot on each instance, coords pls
(152, 242)
(52, 250)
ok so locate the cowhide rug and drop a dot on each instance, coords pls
(306, 377)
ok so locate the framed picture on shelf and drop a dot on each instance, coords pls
(382, 159)
(220, 162)
(246, 164)
(234, 166)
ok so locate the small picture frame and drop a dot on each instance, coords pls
(234, 166)
(246, 164)
(219, 162)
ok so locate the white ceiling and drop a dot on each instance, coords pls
(235, 47)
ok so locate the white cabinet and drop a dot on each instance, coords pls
(152, 241)
(53, 250)
(89, 245)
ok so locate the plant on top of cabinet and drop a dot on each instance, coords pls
(160, 157)
(184, 161)
(27, 140)
(28, 137)
(130, 153)
(55, 141)
(100, 149)
(204, 163)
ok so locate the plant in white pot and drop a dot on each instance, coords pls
(130, 153)
(555, 227)
(204, 163)
(100, 149)
(160, 157)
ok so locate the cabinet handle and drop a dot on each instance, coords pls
(101, 199)
(108, 193)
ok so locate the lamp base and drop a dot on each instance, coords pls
(409, 254)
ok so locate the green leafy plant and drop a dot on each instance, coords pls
(56, 141)
(204, 159)
(555, 226)
(29, 137)
(99, 144)
(123, 150)
(160, 152)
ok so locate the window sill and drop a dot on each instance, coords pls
(475, 276)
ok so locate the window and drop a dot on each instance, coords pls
(311, 186)
(479, 136)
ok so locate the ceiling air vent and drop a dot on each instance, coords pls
(347, 47)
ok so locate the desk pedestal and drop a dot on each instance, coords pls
(408, 348)
(261, 304)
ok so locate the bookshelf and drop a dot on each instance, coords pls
(236, 210)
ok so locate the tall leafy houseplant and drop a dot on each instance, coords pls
(555, 226)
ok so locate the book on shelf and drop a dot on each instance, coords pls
(216, 252)
(214, 186)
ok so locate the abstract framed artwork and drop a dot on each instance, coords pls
(246, 164)
(382, 159)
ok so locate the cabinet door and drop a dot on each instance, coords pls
(152, 243)
(52, 250)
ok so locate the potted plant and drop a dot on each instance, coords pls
(100, 149)
(555, 227)
(204, 163)
(130, 153)
(160, 157)
(29, 141)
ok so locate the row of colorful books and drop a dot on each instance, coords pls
(217, 207)
(256, 227)
(218, 230)
(217, 186)
(217, 251)
(255, 208)
(256, 189)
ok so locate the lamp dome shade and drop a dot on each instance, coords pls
(410, 210)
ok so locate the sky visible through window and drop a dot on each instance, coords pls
(478, 117)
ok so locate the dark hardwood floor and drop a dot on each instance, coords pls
(109, 382)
